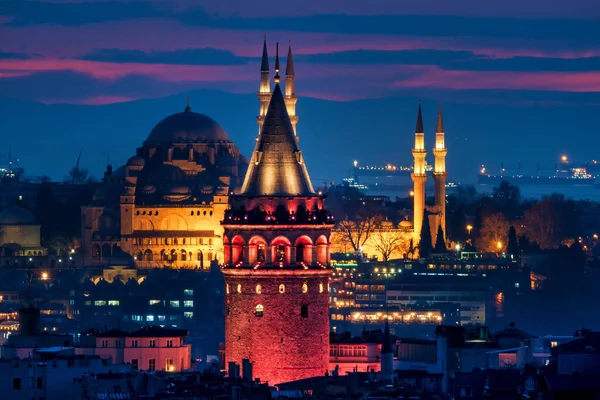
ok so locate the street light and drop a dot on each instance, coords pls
(499, 245)
(469, 228)
(44, 276)
(457, 247)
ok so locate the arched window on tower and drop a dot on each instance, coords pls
(260, 252)
(259, 310)
(320, 288)
(281, 253)
(304, 288)
(282, 288)
(304, 309)
(258, 289)
(239, 288)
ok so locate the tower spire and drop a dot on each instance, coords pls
(419, 127)
(440, 122)
(264, 65)
(289, 68)
(419, 176)
(439, 172)
(276, 79)
(290, 92)
(264, 90)
(188, 108)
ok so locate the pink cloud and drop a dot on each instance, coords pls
(434, 77)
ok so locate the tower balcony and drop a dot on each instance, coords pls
(279, 217)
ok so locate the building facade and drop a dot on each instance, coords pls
(276, 241)
(165, 205)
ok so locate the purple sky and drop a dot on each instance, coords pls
(360, 49)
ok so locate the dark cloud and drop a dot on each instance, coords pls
(25, 12)
(13, 56)
(454, 60)
(575, 32)
(202, 56)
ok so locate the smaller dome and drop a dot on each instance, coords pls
(136, 161)
(149, 189)
(17, 216)
(178, 189)
(405, 224)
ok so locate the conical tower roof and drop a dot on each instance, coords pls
(440, 121)
(264, 65)
(289, 68)
(277, 167)
(419, 127)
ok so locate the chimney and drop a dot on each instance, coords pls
(246, 370)
(233, 370)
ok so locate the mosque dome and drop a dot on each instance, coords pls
(405, 224)
(187, 126)
(136, 161)
(17, 216)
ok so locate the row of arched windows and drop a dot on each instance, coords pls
(192, 213)
(146, 212)
(259, 310)
(172, 241)
(281, 289)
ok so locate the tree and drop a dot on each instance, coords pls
(440, 243)
(390, 241)
(492, 233)
(77, 176)
(540, 224)
(425, 247)
(357, 232)
(508, 197)
(513, 246)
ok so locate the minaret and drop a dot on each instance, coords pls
(264, 91)
(439, 171)
(387, 355)
(419, 176)
(290, 94)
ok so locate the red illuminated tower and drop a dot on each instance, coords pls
(277, 237)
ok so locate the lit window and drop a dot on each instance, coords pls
(517, 285)
(87, 303)
(170, 365)
(161, 318)
(174, 303)
(136, 318)
(320, 288)
(282, 288)
(239, 288)
(553, 344)
(188, 292)
(304, 288)
(152, 302)
(100, 303)
(188, 314)
(188, 303)
(259, 310)
(258, 289)
(150, 318)
(113, 302)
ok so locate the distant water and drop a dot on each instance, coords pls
(527, 191)
(537, 191)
